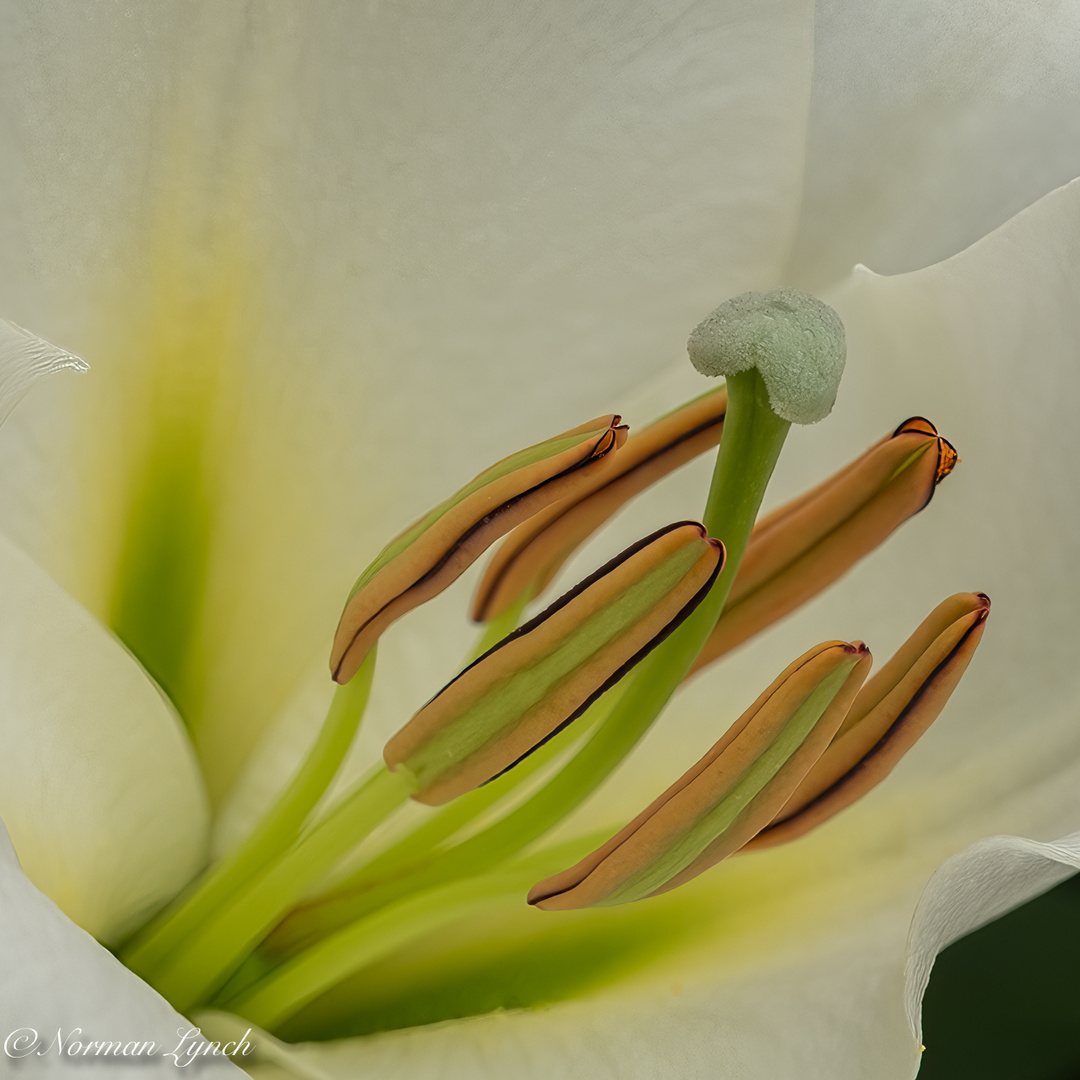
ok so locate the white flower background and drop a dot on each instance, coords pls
(328, 260)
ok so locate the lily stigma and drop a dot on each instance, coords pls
(551, 703)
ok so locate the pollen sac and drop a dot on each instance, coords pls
(890, 714)
(729, 796)
(535, 551)
(538, 679)
(438, 548)
(807, 544)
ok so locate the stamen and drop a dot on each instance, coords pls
(889, 716)
(729, 796)
(278, 925)
(536, 681)
(279, 828)
(437, 549)
(807, 544)
(535, 551)
(286, 988)
(221, 943)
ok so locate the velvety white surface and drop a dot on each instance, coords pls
(930, 125)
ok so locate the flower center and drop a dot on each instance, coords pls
(549, 709)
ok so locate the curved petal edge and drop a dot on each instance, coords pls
(981, 883)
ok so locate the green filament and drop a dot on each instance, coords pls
(275, 832)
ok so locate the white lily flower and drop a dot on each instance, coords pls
(325, 261)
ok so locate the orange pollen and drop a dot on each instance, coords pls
(947, 459)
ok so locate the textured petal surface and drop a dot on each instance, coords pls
(286, 243)
(25, 358)
(931, 124)
(99, 787)
(54, 978)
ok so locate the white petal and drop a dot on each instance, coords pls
(54, 978)
(98, 783)
(973, 888)
(824, 1015)
(931, 124)
(319, 236)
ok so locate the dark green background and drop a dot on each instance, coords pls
(1005, 1001)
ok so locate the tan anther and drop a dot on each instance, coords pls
(807, 544)
(437, 549)
(544, 675)
(528, 560)
(730, 795)
(888, 717)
